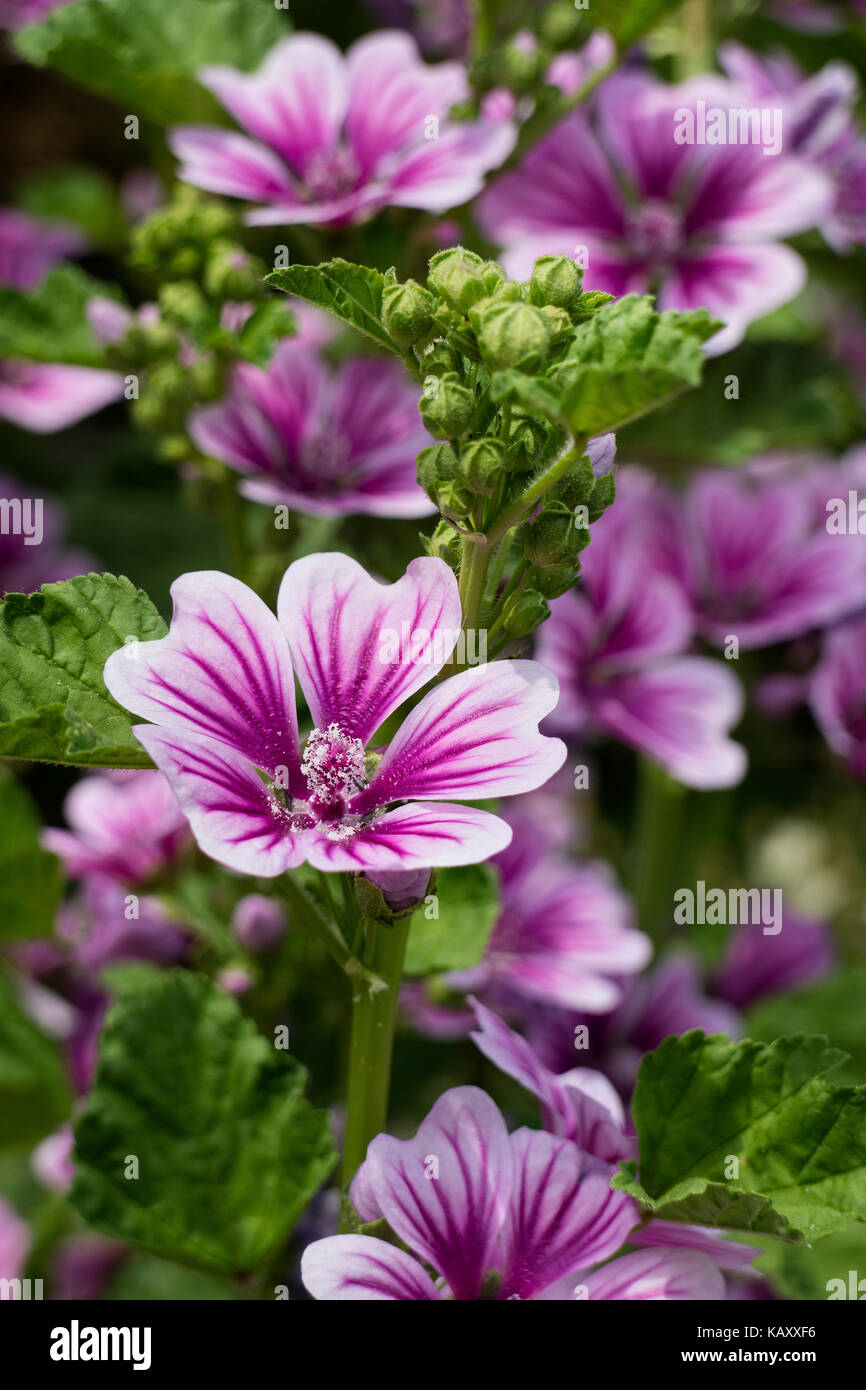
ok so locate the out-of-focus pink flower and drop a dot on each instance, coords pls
(220, 690)
(30, 247)
(258, 922)
(83, 1265)
(619, 647)
(324, 443)
(755, 965)
(51, 1160)
(126, 825)
(838, 693)
(698, 224)
(105, 923)
(43, 397)
(24, 565)
(333, 139)
(569, 71)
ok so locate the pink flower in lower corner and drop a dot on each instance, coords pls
(321, 442)
(333, 138)
(220, 692)
(502, 1216)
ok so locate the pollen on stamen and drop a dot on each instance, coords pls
(333, 765)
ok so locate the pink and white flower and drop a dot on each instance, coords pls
(333, 138)
(325, 443)
(220, 692)
(517, 1216)
(124, 825)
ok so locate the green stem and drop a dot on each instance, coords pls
(553, 112)
(305, 911)
(374, 1014)
(696, 39)
(660, 822)
(528, 499)
(473, 575)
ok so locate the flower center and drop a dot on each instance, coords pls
(323, 457)
(655, 231)
(331, 174)
(334, 767)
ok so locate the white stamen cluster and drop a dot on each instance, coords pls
(333, 765)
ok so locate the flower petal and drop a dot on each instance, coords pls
(296, 101)
(737, 282)
(657, 1275)
(445, 1192)
(360, 648)
(474, 736)
(411, 837)
(223, 670)
(234, 817)
(222, 161)
(341, 1268)
(563, 1214)
(393, 94)
(42, 397)
(725, 1253)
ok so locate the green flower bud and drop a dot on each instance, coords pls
(444, 544)
(603, 494)
(407, 312)
(207, 379)
(166, 397)
(524, 613)
(480, 465)
(519, 66)
(457, 276)
(436, 465)
(510, 335)
(455, 499)
(551, 539)
(446, 406)
(553, 583)
(525, 446)
(493, 276)
(575, 488)
(555, 280)
(231, 274)
(513, 291)
(559, 323)
(183, 303)
(441, 358)
(560, 24)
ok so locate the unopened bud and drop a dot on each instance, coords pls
(436, 465)
(480, 465)
(456, 275)
(258, 922)
(551, 539)
(524, 613)
(407, 312)
(555, 280)
(510, 334)
(447, 409)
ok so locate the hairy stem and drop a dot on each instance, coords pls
(374, 1013)
(529, 499)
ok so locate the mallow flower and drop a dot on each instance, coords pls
(502, 1216)
(643, 210)
(837, 693)
(25, 565)
(219, 690)
(333, 138)
(619, 645)
(122, 825)
(45, 396)
(322, 442)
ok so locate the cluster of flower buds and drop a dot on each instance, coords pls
(209, 285)
(519, 65)
(466, 327)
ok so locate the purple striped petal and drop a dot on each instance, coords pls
(563, 1216)
(657, 1275)
(475, 736)
(411, 837)
(725, 1253)
(234, 817)
(445, 1193)
(360, 648)
(295, 102)
(223, 670)
(392, 95)
(222, 161)
(341, 1268)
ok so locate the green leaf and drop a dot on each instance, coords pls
(81, 195)
(834, 1006)
(805, 1272)
(30, 877)
(628, 20)
(146, 1277)
(229, 1151)
(800, 1141)
(352, 293)
(145, 54)
(468, 904)
(263, 330)
(34, 1094)
(536, 394)
(710, 1204)
(50, 324)
(54, 706)
(627, 360)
